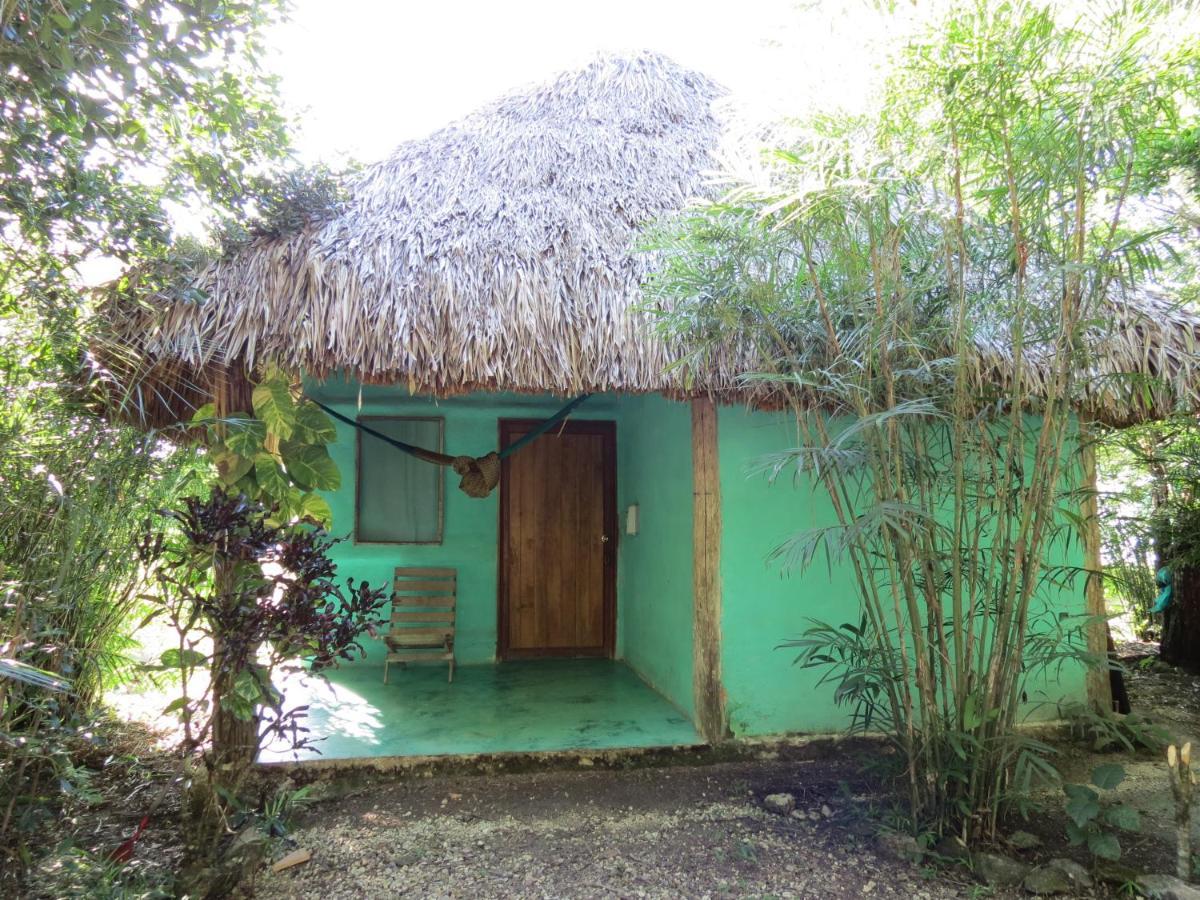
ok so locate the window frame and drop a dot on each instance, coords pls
(441, 481)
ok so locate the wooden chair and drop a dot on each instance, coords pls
(422, 624)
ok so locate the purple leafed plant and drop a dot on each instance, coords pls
(265, 595)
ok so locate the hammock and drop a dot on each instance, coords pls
(480, 474)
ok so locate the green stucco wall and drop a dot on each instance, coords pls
(764, 605)
(654, 587)
(471, 526)
(654, 567)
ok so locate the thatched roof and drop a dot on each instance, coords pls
(497, 254)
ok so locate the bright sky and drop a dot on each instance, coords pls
(368, 74)
(364, 75)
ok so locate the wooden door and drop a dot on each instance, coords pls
(558, 541)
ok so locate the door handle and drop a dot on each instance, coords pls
(604, 538)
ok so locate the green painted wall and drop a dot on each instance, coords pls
(763, 605)
(654, 587)
(654, 568)
(470, 537)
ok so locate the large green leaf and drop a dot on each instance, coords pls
(313, 426)
(1124, 817)
(1083, 804)
(204, 414)
(247, 686)
(313, 506)
(273, 404)
(1108, 776)
(271, 479)
(246, 435)
(311, 466)
(241, 708)
(231, 467)
(174, 658)
(177, 706)
(1076, 835)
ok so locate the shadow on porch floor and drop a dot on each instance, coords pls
(571, 704)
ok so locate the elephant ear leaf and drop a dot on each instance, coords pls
(313, 426)
(273, 404)
(271, 479)
(246, 435)
(314, 507)
(311, 466)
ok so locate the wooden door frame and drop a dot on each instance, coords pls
(607, 429)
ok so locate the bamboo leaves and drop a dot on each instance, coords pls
(932, 291)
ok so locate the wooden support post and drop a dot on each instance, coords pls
(708, 690)
(1099, 685)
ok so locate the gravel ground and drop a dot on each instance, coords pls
(661, 832)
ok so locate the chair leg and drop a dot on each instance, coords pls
(386, 663)
(450, 680)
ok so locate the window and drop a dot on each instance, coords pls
(399, 499)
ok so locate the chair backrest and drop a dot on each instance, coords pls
(423, 604)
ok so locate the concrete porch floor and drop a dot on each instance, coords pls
(529, 706)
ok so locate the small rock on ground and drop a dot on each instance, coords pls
(1023, 840)
(899, 846)
(1059, 876)
(780, 804)
(999, 870)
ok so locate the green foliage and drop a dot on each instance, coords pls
(278, 816)
(278, 455)
(93, 91)
(247, 596)
(273, 404)
(1093, 819)
(1106, 731)
(74, 491)
(1161, 462)
(73, 871)
(925, 287)
(109, 111)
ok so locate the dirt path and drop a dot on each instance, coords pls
(1169, 697)
(668, 832)
(1167, 694)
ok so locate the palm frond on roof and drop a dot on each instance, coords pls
(497, 254)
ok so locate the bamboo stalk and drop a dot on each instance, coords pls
(1183, 782)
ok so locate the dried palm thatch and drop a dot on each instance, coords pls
(497, 254)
